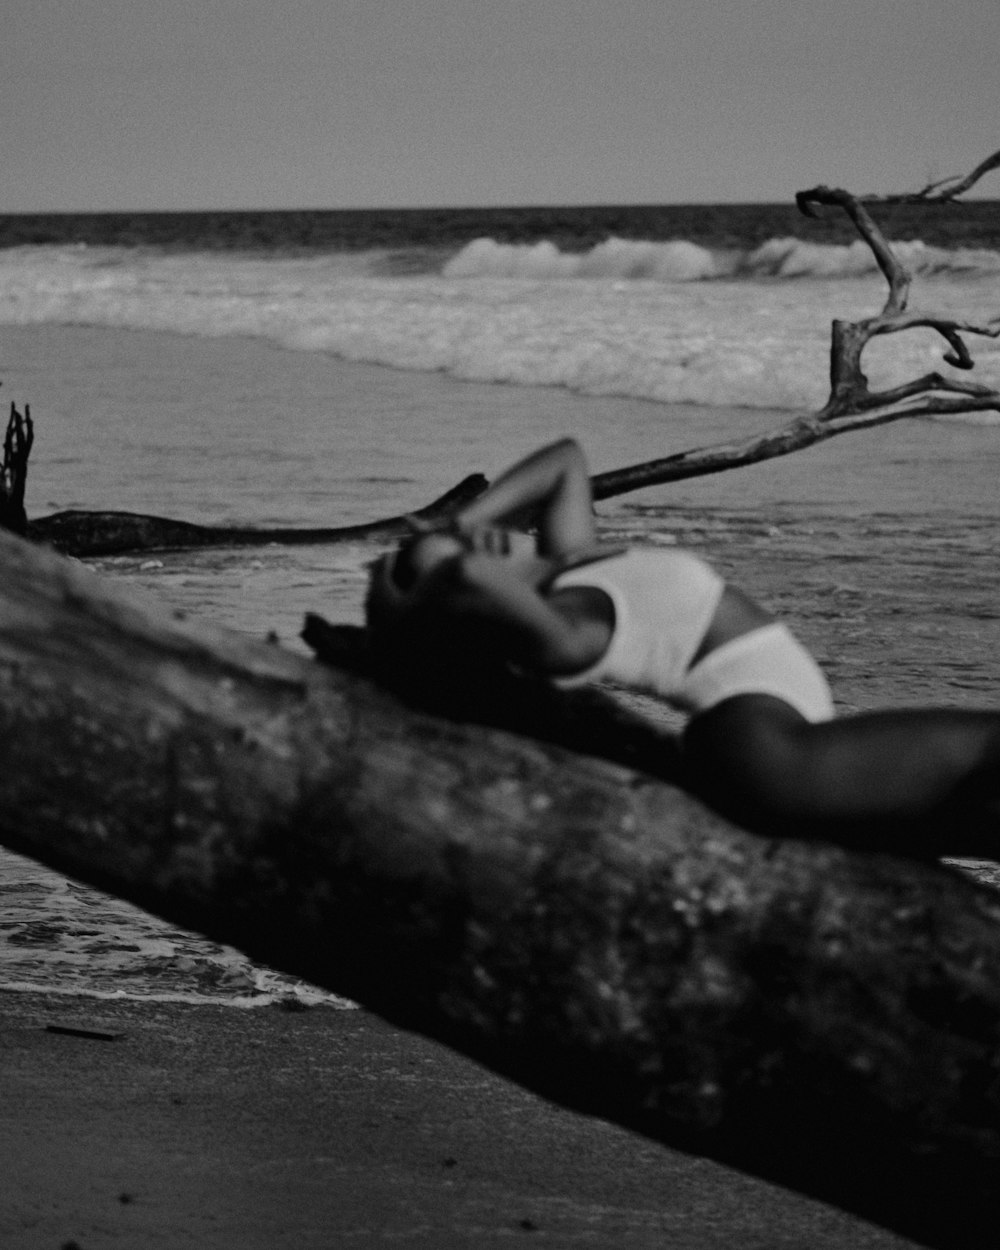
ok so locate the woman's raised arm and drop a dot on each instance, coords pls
(525, 626)
(550, 489)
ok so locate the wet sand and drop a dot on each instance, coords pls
(223, 1129)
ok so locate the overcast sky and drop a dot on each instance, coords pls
(165, 104)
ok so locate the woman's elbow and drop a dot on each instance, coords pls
(570, 451)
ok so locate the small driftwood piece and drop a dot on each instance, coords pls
(826, 1019)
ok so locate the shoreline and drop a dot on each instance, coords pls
(198, 1125)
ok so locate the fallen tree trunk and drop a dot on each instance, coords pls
(826, 1019)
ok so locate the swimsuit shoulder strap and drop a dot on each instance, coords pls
(580, 559)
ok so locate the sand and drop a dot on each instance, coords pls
(223, 1129)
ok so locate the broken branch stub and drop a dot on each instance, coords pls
(17, 443)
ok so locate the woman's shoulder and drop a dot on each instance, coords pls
(631, 560)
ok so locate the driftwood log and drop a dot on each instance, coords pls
(826, 1019)
(77, 532)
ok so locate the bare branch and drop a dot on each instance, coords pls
(849, 386)
(851, 405)
(944, 189)
(896, 274)
(959, 357)
(928, 383)
(802, 432)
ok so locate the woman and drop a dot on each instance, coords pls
(762, 743)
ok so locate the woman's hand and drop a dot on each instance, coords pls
(498, 541)
(549, 490)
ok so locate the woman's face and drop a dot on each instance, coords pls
(420, 558)
(496, 540)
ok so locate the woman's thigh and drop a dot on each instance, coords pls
(757, 759)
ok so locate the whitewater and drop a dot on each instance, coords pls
(669, 321)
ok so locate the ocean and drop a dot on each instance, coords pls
(702, 304)
(317, 368)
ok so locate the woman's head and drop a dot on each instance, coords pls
(400, 586)
(417, 640)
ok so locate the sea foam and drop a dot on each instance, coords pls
(682, 261)
(61, 937)
(671, 322)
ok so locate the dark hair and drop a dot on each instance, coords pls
(419, 646)
(404, 570)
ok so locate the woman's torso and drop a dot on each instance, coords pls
(669, 609)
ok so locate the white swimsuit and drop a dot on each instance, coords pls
(664, 602)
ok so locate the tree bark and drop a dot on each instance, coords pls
(826, 1019)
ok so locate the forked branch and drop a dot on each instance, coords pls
(898, 277)
(851, 404)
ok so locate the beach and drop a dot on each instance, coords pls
(234, 1130)
(225, 1108)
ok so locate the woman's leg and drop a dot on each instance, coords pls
(912, 780)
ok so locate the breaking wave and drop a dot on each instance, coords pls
(683, 261)
(672, 322)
